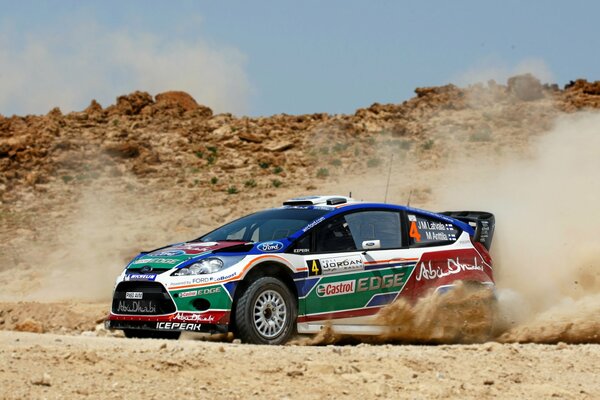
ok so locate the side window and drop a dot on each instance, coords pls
(424, 231)
(348, 232)
(334, 235)
(376, 225)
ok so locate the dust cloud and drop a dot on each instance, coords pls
(546, 247)
(79, 257)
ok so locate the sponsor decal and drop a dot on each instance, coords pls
(191, 281)
(134, 295)
(136, 306)
(201, 280)
(184, 326)
(301, 250)
(200, 292)
(210, 290)
(341, 264)
(193, 317)
(378, 282)
(313, 224)
(140, 277)
(334, 265)
(166, 253)
(453, 266)
(156, 261)
(225, 277)
(336, 288)
(268, 247)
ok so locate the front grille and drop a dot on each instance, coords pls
(142, 298)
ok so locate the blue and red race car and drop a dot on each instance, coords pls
(314, 261)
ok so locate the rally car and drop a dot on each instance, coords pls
(314, 261)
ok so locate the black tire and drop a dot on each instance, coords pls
(266, 312)
(144, 334)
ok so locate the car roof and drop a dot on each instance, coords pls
(342, 204)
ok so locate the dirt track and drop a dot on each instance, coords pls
(51, 366)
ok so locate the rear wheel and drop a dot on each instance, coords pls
(143, 334)
(266, 312)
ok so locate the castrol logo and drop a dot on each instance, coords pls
(335, 288)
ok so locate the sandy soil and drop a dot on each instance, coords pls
(55, 367)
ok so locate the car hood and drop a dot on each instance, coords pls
(177, 254)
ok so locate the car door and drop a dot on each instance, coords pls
(354, 267)
(387, 259)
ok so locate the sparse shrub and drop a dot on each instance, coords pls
(322, 173)
(199, 154)
(373, 162)
(67, 178)
(211, 159)
(356, 152)
(250, 183)
(212, 149)
(324, 150)
(214, 180)
(194, 170)
(276, 183)
(232, 190)
(263, 164)
(336, 163)
(277, 170)
(196, 182)
(428, 144)
(338, 147)
(405, 144)
(481, 136)
(115, 122)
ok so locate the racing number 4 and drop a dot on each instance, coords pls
(414, 232)
(314, 267)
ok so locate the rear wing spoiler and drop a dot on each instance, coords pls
(483, 223)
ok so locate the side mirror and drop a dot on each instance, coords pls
(371, 244)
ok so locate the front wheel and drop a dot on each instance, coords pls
(266, 312)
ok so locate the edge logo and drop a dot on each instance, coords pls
(268, 247)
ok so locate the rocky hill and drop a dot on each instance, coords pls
(173, 139)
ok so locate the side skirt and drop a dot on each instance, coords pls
(316, 327)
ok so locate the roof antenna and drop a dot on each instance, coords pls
(350, 194)
(388, 179)
(409, 196)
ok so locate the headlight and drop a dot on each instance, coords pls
(206, 266)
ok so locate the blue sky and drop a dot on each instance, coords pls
(268, 57)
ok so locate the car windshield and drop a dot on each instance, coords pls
(266, 225)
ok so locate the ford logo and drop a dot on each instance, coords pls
(268, 247)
